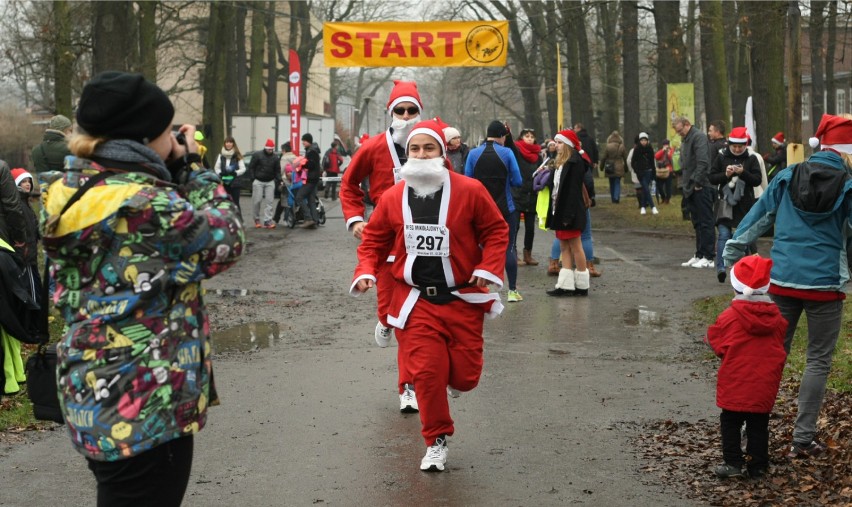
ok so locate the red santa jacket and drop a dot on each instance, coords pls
(377, 159)
(478, 237)
(749, 337)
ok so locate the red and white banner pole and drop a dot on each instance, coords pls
(295, 101)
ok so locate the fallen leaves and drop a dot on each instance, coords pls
(682, 455)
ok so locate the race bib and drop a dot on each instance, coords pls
(427, 240)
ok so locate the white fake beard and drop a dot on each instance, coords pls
(425, 176)
(401, 128)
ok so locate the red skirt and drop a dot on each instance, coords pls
(568, 234)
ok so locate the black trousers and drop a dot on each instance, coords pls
(757, 432)
(155, 478)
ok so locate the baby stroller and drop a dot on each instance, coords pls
(294, 213)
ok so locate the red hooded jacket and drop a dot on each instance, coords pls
(749, 337)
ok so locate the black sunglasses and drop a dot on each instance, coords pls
(402, 110)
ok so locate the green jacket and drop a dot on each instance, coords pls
(50, 154)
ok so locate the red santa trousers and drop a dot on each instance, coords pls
(443, 346)
(384, 294)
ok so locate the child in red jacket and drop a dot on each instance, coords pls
(749, 337)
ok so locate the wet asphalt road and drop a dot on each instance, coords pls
(309, 412)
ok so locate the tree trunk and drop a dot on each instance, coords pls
(830, 49)
(585, 111)
(114, 37)
(148, 39)
(63, 59)
(255, 90)
(793, 131)
(716, 100)
(671, 57)
(272, 67)
(817, 23)
(220, 36)
(608, 16)
(734, 64)
(240, 68)
(630, 67)
(570, 10)
(766, 20)
(545, 29)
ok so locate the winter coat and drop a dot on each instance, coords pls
(589, 145)
(266, 166)
(134, 367)
(694, 160)
(751, 177)
(642, 160)
(524, 196)
(568, 212)
(749, 337)
(12, 218)
(615, 152)
(30, 250)
(313, 164)
(811, 207)
(777, 161)
(717, 146)
(49, 155)
(458, 158)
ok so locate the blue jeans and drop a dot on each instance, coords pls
(647, 200)
(725, 234)
(555, 249)
(615, 189)
(511, 252)
(664, 187)
(586, 237)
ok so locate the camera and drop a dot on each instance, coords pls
(181, 138)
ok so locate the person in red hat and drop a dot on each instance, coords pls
(810, 205)
(567, 214)
(450, 243)
(749, 337)
(777, 160)
(265, 169)
(735, 173)
(379, 159)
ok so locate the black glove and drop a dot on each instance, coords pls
(181, 167)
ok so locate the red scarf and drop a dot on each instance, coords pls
(530, 152)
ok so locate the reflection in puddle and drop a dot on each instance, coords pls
(642, 316)
(251, 336)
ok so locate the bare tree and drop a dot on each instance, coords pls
(794, 74)
(63, 59)
(255, 89)
(736, 57)
(220, 34)
(764, 18)
(630, 68)
(816, 27)
(115, 37)
(272, 68)
(716, 99)
(148, 39)
(671, 55)
(830, 49)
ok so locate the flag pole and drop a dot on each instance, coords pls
(560, 111)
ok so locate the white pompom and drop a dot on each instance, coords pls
(813, 142)
(748, 291)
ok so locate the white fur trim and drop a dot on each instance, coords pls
(354, 292)
(481, 273)
(431, 133)
(405, 98)
(564, 139)
(842, 148)
(352, 220)
(21, 177)
(738, 140)
(743, 288)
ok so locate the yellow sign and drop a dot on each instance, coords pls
(681, 102)
(406, 44)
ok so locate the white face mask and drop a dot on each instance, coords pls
(424, 175)
(401, 128)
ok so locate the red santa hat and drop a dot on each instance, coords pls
(834, 133)
(431, 128)
(568, 137)
(750, 275)
(20, 175)
(778, 139)
(738, 135)
(269, 144)
(404, 91)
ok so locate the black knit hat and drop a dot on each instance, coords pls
(496, 129)
(308, 137)
(118, 105)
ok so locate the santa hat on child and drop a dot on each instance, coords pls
(404, 91)
(20, 175)
(750, 275)
(570, 138)
(738, 135)
(833, 134)
(431, 128)
(778, 140)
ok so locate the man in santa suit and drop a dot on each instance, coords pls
(379, 158)
(450, 242)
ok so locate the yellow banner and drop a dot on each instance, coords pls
(406, 44)
(681, 102)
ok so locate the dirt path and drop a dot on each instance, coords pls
(309, 415)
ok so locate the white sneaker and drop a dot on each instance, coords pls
(690, 262)
(453, 393)
(408, 400)
(383, 335)
(436, 456)
(643, 212)
(704, 263)
(655, 211)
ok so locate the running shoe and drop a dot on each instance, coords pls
(690, 262)
(453, 393)
(514, 296)
(408, 400)
(383, 335)
(810, 450)
(436, 456)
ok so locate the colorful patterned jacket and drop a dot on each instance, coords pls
(134, 366)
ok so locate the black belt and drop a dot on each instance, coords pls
(441, 290)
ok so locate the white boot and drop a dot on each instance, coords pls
(564, 284)
(581, 282)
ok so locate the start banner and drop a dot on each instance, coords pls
(422, 44)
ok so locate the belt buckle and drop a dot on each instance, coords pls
(431, 291)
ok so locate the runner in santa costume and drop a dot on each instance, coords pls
(379, 159)
(450, 242)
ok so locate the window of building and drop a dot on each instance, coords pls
(806, 106)
(841, 102)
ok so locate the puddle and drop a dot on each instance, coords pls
(252, 336)
(240, 292)
(642, 316)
